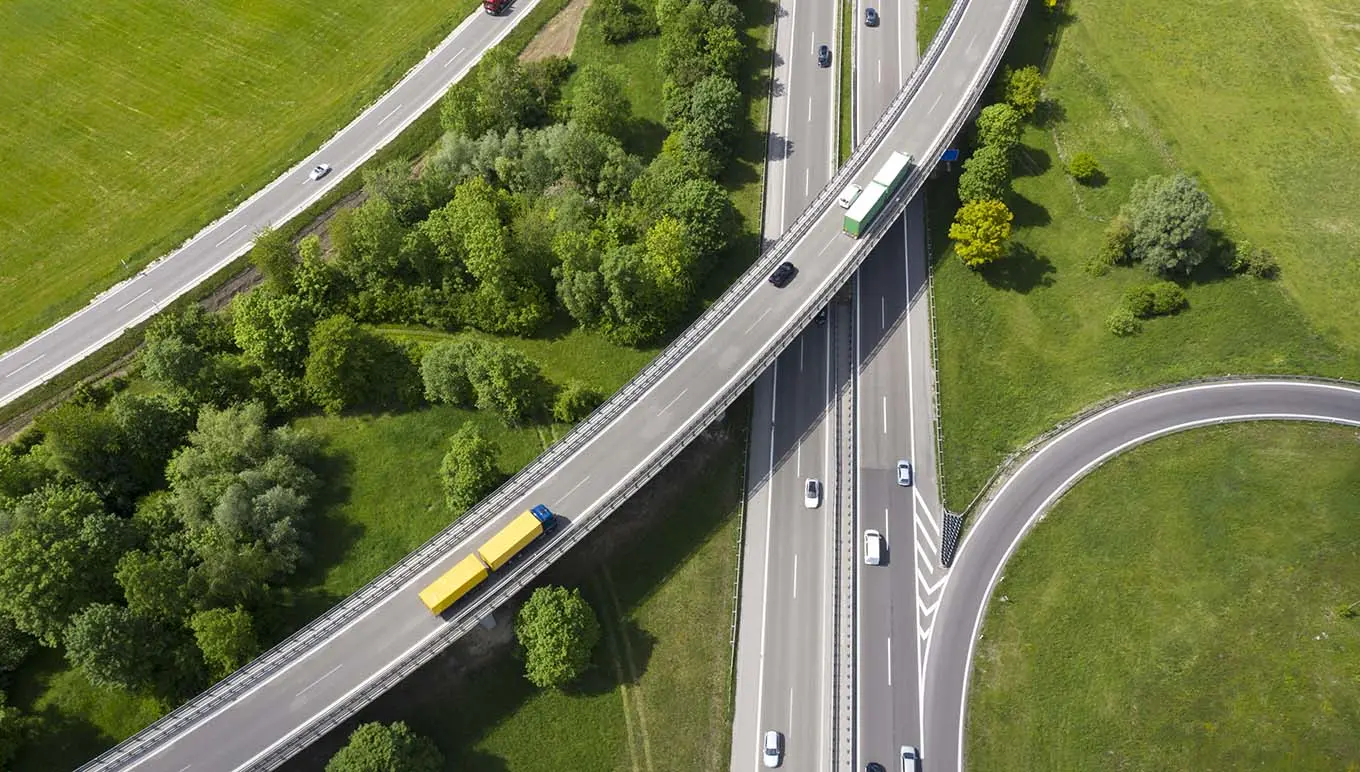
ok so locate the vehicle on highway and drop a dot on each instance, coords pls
(319, 171)
(494, 553)
(849, 195)
(773, 749)
(823, 56)
(870, 17)
(904, 473)
(874, 766)
(820, 318)
(877, 194)
(783, 274)
(494, 7)
(873, 548)
(909, 758)
(812, 493)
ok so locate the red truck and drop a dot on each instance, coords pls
(494, 7)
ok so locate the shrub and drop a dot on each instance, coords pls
(574, 402)
(620, 21)
(1167, 298)
(1255, 261)
(1139, 300)
(1084, 167)
(1122, 322)
(1114, 250)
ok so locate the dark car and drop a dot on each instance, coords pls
(870, 17)
(874, 766)
(821, 316)
(823, 56)
(783, 274)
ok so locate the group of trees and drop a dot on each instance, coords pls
(982, 226)
(147, 589)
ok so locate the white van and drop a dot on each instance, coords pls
(873, 548)
(849, 195)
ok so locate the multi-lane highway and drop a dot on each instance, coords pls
(133, 301)
(784, 638)
(379, 634)
(1024, 497)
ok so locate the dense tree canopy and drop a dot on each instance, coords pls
(981, 232)
(1169, 220)
(558, 631)
(999, 126)
(114, 647)
(986, 175)
(226, 637)
(386, 748)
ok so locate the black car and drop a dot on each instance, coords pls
(870, 17)
(874, 766)
(821, 316)
(783, 274)
(823, 56)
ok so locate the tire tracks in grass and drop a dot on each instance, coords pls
(626, 670)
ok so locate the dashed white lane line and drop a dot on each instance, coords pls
(795, 577)
(583, 481)
(227, 238)
(393, 112)
(29, 363)
(890, 660)
(758, 321)
(141, 295)
(319, 680)
(673, 401)
(454, 57)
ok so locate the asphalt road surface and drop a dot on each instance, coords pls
(993, 536)
(394, 626)
(137, 299)
(783, 679)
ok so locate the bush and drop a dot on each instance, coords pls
(1122, 322)
(575, 402)
(1254, 261)
(620, 21)
(386, 748)
(1139, 300)
(1157, 299)
(558, 630)
(1084, 168)
(1114, 250)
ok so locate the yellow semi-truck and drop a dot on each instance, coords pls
(494, 553)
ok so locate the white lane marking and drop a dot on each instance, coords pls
(931, 543)
(890, 660)
(455, 56)
(798, 462)
(765, 589)
(800, 353)
(807, 182)
(809, 109)
(673, 401)
(319, 680)
(140, 295)
(227, 238)
(390, 113)
(887, 527)
(880, 70)
(186, 766)
(795, 577)
(790, 724)
(883, 312)
(577, 485)
(760, 319)
(858, 496)
(924, 510)
(29, 363)
(927, 610)
(885, 413)
(931, 588)
(936, 102)
(1071, 480)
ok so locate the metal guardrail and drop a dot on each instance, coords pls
(226, 691)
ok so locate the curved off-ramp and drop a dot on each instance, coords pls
(1051, 470)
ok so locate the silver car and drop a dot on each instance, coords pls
(904, 473)
(319, 171)
(909, 758)
(773, 750)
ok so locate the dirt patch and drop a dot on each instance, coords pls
(558, 37)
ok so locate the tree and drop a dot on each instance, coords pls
(998, 125)
(1084, 168)
(342, 365)
(981, 231)
(22, 472)
(986, 175)
(194, 353)
(157, 585)
(226, 638)
(714, 116)
(1023, 88)
(367, 242)
(707, 213)
(14, 730)
(598, 101)
(394, 182)
(620, 21)
(113, 647)
(558, 631)
(444, 372)
(506, 382)
(272, 330)
(15, 645)
(87, 443)
(574, 402)
(724, 50)
(469, 471)
(57, 553)
(580, 287)
(386, 748)
(1169, 217)
(152, 427)
(273, 255)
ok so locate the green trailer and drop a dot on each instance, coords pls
(865, 209)
(893, 171)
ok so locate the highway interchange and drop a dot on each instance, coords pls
(387, 628)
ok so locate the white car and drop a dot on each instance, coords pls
(873, 548)
(909, 758)
(904, 473)
(319, 171)
(849, 195)
(773, 750)
(812, 493)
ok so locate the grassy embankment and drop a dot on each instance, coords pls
(1248, 97)
(1181, 609)
(134, 125)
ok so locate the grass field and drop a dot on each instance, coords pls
(131, 124)
(1023, 345)
(1179, 610)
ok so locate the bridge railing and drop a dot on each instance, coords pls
(222, 694)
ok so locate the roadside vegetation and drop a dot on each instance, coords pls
(1192, 605)
(1120, 239)
(438, 332)
(124, 138)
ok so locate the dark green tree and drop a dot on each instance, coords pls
(506, 382)
(157, 585)
(226, 637)
(273, 255)
(598, 101)
(986, 175)
(394, 183)
(15, 729)
(444, 372)
(468, 472)
(999, 125)
(344, 365)
(707, 213)
(15, 645)
(574, 402)
(386, 748)
(114, 647)
(272, 330)
(557, 630)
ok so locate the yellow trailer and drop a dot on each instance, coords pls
(514, 537)
(454, 584)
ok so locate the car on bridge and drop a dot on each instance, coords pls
(870, 17)
(783, 274)
(812, 493)
(319, 171)
(823, 56)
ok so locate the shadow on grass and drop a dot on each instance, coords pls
(645, 137)
(1031, 161)
(1021, 271)
(1049, 113)
(621, 658)
(1028, 214)
(67, 742)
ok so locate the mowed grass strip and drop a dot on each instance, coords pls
(1023, 344)
(1179, 609)
(130, 124)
